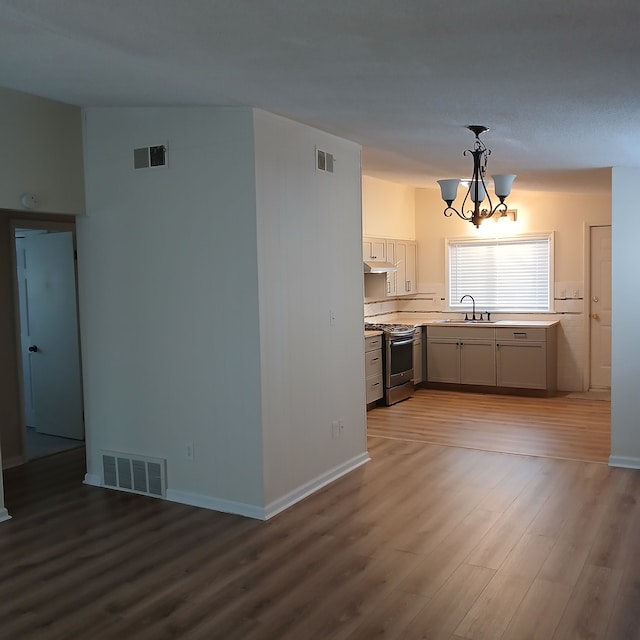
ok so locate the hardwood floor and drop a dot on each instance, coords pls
(555, 427)
(424, 541)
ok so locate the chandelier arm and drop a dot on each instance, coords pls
(449, 211)
(501, 206)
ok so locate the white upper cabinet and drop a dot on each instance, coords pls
(406, 259)
(403, 254)
(374, 249)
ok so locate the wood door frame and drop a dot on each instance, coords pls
(586, 370)
(21, 220)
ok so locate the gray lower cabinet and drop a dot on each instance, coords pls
(461, 355)
(526, 358)
(418, 355)
(522, 358)
(461, 361)
(373, 367)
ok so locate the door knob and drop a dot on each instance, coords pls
(596, 299)
(33, 348)
(595, 316)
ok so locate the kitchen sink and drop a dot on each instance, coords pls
(454, 321)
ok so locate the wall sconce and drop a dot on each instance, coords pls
(510, 215)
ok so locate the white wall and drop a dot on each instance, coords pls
(563, 213)
(205, 297)
(42, 153)
(310, 265)
(389, 209)
(625, 348)
(168, 292)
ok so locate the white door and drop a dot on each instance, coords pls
(600, 308)
(25, 339)
(54, 353)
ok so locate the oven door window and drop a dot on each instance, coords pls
(401, 355)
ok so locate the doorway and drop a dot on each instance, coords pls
(598, 308)
(48, 338)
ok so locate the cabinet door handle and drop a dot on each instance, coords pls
(374, 359)
(375, 384)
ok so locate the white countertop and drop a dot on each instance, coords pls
(423, 320)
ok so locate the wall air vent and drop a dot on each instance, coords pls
(150, 157)
(324, 161)
(136, 474)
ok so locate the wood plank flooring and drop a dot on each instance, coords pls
(556, 427)
(424, 541)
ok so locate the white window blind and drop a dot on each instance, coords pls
(502, 275)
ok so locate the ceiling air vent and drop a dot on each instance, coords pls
(150, 157)
(137, 474)
(324, 161)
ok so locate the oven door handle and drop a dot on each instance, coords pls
(399, 343)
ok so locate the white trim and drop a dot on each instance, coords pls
(4, 515)
(93, 480)
(251, 510)
(216, 504)
(624, 461)
(314, 485)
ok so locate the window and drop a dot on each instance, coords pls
(507, 274)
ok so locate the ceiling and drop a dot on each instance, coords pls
(557, 81)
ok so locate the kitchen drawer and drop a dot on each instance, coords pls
(373, 363)
(373, 342)
(374, 388)
(537, 334)
(464, 333)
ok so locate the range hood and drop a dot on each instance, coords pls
(379, 267)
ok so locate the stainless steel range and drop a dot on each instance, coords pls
(397, 360)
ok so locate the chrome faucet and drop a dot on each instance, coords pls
(473, 315)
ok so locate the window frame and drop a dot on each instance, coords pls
(548, 236)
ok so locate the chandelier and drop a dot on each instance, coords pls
(477, 189)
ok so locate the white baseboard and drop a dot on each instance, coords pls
(314, 485)
(4, 515)
(216, 504)
(250, 510)
(93, 479)
(624, 461)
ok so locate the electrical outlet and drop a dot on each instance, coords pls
(335, 429)
(188, 450)
(576, 293)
